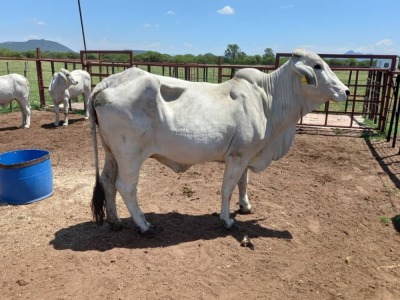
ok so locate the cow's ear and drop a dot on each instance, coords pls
(307, 73)
(63, 76)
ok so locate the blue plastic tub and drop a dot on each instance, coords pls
(25, 176)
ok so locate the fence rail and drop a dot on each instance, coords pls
(374, 91)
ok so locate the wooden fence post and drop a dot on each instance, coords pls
(219, 69)
(40, 78)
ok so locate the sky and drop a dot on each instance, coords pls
(208, 26)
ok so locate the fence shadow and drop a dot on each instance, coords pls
(11, 128)
(388, 159)
(172, 228)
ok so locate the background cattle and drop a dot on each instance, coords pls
(245, 123)
(67, 85)
(15, 86)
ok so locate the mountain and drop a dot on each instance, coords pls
(31, 45)
(353, 52)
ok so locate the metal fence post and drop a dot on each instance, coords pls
(40, 78)
(219, 69)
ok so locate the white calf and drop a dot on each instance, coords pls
(67, 85)
(15, 86)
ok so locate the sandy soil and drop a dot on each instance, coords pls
(320, 228)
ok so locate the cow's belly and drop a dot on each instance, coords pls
(192, 148)
(6, 97)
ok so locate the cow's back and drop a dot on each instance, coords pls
(83, 86)
(184, 121)
(13, 86)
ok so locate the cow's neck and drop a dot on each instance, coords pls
(282, 108)
(283, 101)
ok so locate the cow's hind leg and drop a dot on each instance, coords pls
(127, 180)
(26, 115)
(85, 104)
(244, 204)
(108, 178)
(234, 169)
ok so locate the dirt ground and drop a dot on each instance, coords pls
(321, 226)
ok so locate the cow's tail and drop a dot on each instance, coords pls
(98, 198)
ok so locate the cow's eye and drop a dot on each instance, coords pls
(317, 67)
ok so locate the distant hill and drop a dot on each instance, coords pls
(353, 52)
(44, 45)
(31, 45)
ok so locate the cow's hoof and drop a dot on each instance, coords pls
(115, 226)
(232, 225)
(245, 210)
(236, 226)
(148, 234)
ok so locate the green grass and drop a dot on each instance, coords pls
(373, 135)
(385, 220)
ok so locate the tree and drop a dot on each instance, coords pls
(268, 56)
(234, 53)
(268, 52)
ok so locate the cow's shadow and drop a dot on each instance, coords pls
(11, 128)
(70, 122)
(171, 229)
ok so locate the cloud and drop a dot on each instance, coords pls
(227, 10)
(384, 46)
(148, 25)
(384, 42)
(31, 37)
(187, 45)
(171, 13)
(150, 45)
(36, 22)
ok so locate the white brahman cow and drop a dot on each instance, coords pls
(15, 86)
(245, 122)
(67, 85)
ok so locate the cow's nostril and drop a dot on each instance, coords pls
(348, 92)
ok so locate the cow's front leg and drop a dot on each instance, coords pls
(127, 186)
(57, 112)
(65, 101)
(234, 168)
(244, 204)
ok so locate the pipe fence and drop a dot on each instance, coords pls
(373, 103)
